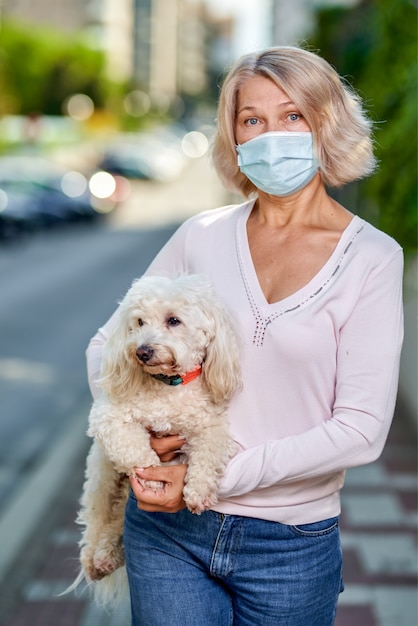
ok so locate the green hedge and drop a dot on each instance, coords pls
(374, 45)
(40, 68)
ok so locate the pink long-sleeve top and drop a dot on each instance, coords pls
(320, 368)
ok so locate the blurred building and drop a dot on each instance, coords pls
(178, 46)
(169, 40)
(67, 15)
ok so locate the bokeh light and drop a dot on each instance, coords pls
(137, 103)
(195, 144)
(102, 185)
(73, 184)
(79, 107)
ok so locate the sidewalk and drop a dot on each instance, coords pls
(379, 535)
(379, 525)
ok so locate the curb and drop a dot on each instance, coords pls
(39, 489)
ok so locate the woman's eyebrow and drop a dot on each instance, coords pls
(251, 107)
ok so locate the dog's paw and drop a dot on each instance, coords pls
(92, 574)
(100, 561)
(87, 564)
(202, 504)
(198, 503)
(106, 561)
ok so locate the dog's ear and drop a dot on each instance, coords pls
(222, 368)
(118, 375)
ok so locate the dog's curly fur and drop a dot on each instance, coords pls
(169, 327)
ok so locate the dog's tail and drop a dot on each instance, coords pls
(80, 578)
(110, 592)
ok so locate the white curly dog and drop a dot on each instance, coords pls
(170, 366)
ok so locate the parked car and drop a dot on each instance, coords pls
(12, 215)
(156, 156)
(36, 192)
(17, 213)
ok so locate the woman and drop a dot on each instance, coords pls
(317, 294)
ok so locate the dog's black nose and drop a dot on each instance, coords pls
(144, 353)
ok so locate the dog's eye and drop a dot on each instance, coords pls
(140, 322)
(173, 321)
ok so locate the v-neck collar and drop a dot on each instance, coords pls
(265, 312)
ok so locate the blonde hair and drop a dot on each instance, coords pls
(341, 130)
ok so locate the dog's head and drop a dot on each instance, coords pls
(170, 327)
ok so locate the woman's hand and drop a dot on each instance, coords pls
(167, 447)
(169, 499)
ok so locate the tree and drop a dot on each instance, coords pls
(374, 45)
(39, 69)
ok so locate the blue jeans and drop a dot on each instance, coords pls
(224, 570)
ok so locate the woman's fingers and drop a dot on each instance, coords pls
(167, 447)
(169, 498)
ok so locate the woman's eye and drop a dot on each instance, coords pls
(294, 117)
(252, 121)
(173, 321)
(140, 322)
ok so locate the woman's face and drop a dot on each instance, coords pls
(263, 107)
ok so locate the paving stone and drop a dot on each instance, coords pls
(382, 553)
(67, 613)
(355, 616)
(374, 509)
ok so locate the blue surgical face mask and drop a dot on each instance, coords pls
(278, 163)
